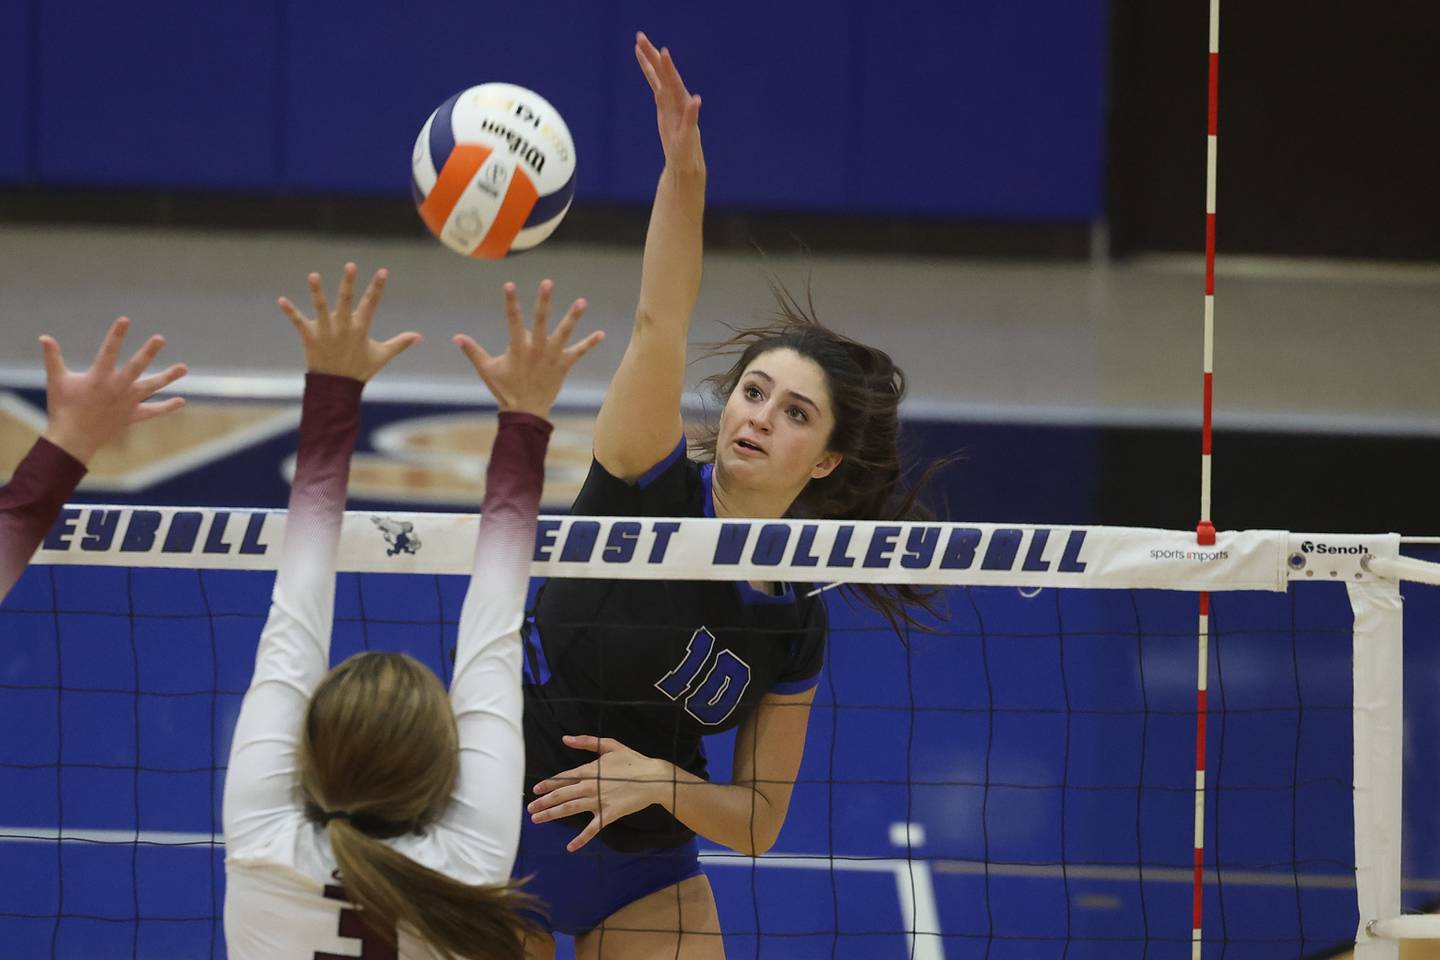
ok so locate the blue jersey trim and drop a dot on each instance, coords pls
(797, 686)
(750, 595)
(535, 666)
(653, 474)
(707, 479)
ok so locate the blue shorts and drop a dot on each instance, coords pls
(581, 889)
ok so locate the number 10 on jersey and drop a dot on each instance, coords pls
(716, 696)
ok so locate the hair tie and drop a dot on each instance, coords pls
(327, 815)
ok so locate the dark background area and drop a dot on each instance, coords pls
(1327, 128)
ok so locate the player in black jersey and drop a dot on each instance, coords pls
(624, 678)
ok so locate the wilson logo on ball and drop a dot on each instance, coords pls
(493, 170)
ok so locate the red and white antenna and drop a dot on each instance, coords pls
(1205, 530)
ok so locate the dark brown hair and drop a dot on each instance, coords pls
(380, 746)
(866, 388)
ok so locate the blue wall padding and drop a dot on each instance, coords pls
(15, 65)
(160, 93)
(991, 110)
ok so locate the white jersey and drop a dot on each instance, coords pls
(283, 899)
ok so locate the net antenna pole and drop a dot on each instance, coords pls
(1205, 530)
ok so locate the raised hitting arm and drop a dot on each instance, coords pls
(640, 422)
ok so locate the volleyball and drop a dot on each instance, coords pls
(493, 170)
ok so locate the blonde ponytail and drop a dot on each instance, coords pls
(458, 921)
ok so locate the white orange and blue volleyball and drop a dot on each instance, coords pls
(493, 170)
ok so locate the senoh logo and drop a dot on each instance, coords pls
(1310, 546)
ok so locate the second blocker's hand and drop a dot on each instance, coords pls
(526, 378)
(337, 342)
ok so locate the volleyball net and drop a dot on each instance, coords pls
(1020, 780)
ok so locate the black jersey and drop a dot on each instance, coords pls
(657, 664)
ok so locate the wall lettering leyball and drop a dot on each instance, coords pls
(493, 170)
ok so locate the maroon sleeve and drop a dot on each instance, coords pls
(294, 650)
(485, 805)
(29, 504)
(516, 473)
(329, 424)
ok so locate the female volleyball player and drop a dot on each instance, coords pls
(85, 411)
(626, 677)
(362, 803)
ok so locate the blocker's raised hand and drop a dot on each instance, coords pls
(90, 409)
(338, 341)
(528, 375)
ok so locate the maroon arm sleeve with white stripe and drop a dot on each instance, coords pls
(29, 504)
(485, 808)
(294, 651)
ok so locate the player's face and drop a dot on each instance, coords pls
(776, 424)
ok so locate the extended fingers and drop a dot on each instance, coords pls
(542, 310)
(567, 322)
(669, 76)
(347, 293)
(54, 361)
(476, 353)
(158, 408)
(559, 811)
(565, 778)
(371, 298)
(480, 360)
(647, 56)
(398, 344)
(514, 319)
(568, 794)
(109, 352)
(148, 387)
(297, 319)
(317, 298)
(143, 357)
(586, 835)
(572, 354)
(587, 742)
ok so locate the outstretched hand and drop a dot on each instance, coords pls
(528, 375)
(338, 341)
(88, 410)
(677, 110)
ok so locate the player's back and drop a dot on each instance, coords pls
(284, 897)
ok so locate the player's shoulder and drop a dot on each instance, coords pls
(673, 486)
(286, 841)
